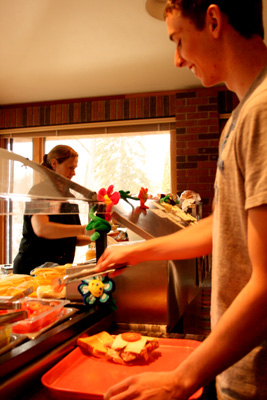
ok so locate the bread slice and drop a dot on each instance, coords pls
(96, 344)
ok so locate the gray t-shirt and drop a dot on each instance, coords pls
(240, 184)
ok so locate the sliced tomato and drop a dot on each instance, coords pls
(35, 308)
(22, 327)
(35, 324)
(131, 336)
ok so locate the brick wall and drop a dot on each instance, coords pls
(198, 128)
(197, 125)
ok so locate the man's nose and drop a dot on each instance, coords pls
(178, 59)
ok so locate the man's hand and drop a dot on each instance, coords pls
(115, 257)
(147, 386)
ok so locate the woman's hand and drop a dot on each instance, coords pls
(85, 232)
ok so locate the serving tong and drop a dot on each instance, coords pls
(86, 273)
(13, 316)
(12, 303)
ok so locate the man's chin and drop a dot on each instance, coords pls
(210, 83)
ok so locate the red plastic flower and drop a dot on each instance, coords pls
(143, 196)
(109, 199)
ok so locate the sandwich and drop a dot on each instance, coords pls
(124, 348)
(131, 346)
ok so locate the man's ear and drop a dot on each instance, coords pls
(214, 20)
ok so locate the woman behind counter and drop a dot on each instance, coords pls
(52, 238)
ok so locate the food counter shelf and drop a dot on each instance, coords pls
(21, 376)
(22, 367)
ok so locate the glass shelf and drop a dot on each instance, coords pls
(29, 188)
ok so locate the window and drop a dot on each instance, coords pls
(23, 147)
(127, 162)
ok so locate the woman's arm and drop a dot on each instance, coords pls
(46, 229)
(83, 240)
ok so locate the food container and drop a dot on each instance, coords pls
(41, 314)
(195, 210)
(6, 269)
(5, 333)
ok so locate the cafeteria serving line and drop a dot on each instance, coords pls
(146, 285)
(151, 298)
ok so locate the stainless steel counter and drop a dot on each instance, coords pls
(154, 293)
(145, 223)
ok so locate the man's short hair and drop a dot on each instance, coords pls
(245, 16)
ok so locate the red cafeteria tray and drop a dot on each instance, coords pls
(81, 376)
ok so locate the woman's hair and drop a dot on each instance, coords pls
(244, 16)
(61, 153)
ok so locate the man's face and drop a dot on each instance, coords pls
(195, 49)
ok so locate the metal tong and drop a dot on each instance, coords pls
(11, 303)
(86, 273)
(13, 317)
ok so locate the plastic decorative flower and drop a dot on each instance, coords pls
(109, 198)
(143, 196)
(98, 224)
(96, 289)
